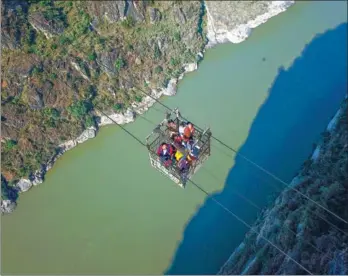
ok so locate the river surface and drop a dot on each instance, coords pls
(104, 210)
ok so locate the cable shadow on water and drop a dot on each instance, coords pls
(300, 104)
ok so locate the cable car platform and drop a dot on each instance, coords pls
(162, 134)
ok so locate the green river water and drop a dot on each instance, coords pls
(104, 210)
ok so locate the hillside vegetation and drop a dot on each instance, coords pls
(62, 59)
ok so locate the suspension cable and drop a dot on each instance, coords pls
(218, 202)
(232, 149)
(260, 209)
(205, 192)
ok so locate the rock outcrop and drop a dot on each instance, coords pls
(113, 11)
(49, 28)
(313, 237)
(233, 20)
(13, 23)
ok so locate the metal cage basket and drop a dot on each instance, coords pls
(161, 134)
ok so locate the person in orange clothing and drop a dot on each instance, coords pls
(188, 132)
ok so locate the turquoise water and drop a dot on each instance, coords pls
(104, 210)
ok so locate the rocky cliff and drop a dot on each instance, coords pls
(62, 61)
(310, 235)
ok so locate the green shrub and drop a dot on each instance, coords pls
(10, 144)
(53, 76)
(177, 36)
(120, 63)
(92, 56)
(89, 121)
(130, 47)
(64, 40)
(32, 50)
(158, 69)
(173, 61)
(128, 22)
(138, 99)
(79, 109)
(45, 3)
(36, 70)
(118, 106)
(23, 171)
(51, 113)
(157, 53)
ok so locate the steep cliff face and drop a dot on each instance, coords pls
(299, 227)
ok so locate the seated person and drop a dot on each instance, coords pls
(193, 150)
(177, 140)
(182, 128)
(183, 165)
(184, 168)
(165, 153)
(189, 130)
(172, 128)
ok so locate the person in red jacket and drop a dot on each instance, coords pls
(188, 132)
(165, 153)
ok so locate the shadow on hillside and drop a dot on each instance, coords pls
(301, 102)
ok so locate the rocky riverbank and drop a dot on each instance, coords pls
(24, 184)
(26, 90)
(233, 21)
(299, 227)
(111, 77)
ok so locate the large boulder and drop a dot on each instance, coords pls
(87, 134)
(136, 10)
(24, 185)
(7, 206)
(113, 11)
(107, 62)
(179, 16)
(49, 28)
(170, 90)
(154, 14)
(35, 98)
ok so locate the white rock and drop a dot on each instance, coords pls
(7, 206)
(118, 118)
(77, 67)
(24, 185)
(170, 90)
(190, 67)
(86, 135)
(220, 31)
(68, 145)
